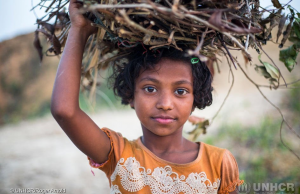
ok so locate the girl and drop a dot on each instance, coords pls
(164, 88)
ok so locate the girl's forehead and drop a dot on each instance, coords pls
(168, 69)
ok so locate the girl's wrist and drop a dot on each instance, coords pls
(79, 31)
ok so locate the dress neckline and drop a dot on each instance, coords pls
(201, 145)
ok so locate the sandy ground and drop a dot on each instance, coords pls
(37, 154)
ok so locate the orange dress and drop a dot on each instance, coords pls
(132, 168)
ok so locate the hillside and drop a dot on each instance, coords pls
(26, 85)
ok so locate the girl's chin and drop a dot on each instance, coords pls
(161, 132)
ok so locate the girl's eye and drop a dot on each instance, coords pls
(181, 92)
(149, 89)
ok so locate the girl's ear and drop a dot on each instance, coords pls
(131, 104)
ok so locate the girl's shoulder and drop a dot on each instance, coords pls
(213, 153)
(219, 153)
(212, 148)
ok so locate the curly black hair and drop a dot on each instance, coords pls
(141, 59)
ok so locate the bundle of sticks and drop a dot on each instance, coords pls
(209, 27)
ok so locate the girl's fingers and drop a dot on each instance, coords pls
(79, 3)
(75, 4)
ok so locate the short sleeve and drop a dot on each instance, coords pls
(117, 147)
(229, 174)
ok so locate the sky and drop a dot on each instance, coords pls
(17, 19)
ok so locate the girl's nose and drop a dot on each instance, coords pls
(165, 101)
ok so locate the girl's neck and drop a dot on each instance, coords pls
(172, 148)
(164, 144)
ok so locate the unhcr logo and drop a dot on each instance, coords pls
(244, 188)
(266, 188)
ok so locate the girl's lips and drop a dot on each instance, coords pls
(164, 121)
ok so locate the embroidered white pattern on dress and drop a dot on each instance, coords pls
(115, 190)
(162, 180)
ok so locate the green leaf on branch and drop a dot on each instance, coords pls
(262, 71)
(294, 39)
(291, 10)
(272, 81)
(288, 56)
(273, 71)
(296, 27)
(276, 4)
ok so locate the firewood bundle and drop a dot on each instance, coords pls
(210, 28)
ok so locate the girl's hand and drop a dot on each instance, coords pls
(78, 21)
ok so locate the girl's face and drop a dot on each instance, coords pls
(164, 92)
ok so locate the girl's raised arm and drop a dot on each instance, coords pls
(79, 127)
